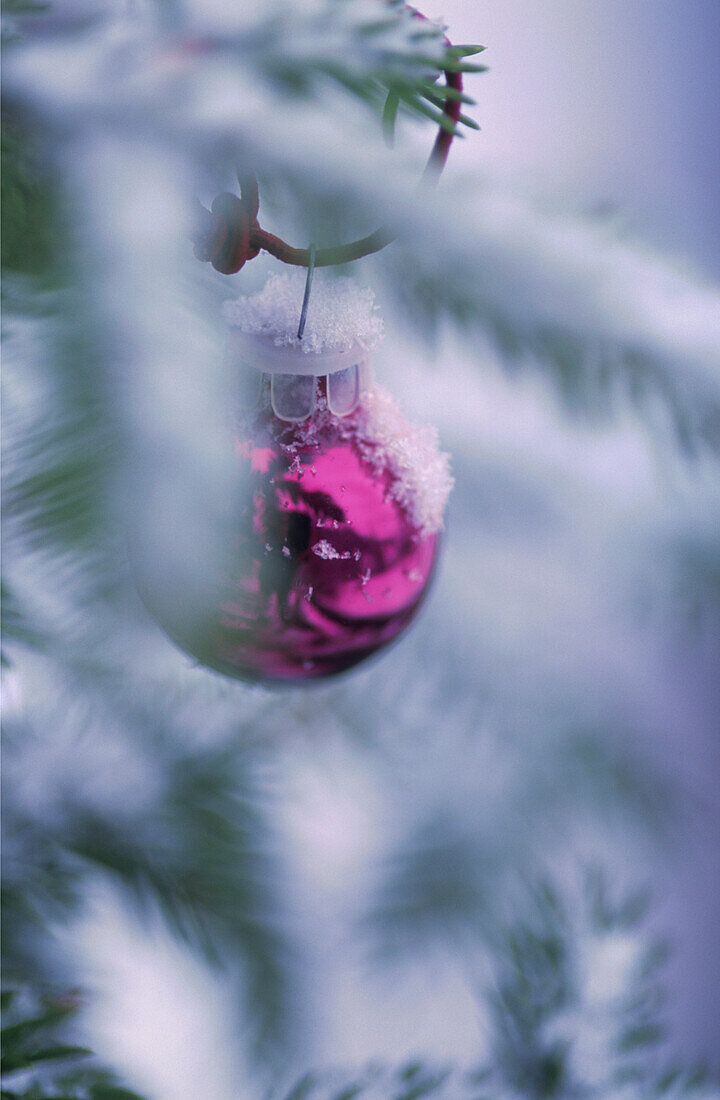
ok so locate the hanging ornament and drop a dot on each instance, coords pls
(335, 536)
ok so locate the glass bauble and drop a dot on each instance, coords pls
(333, 534)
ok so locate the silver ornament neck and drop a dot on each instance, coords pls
(293, 372)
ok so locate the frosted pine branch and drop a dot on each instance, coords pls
(605, 314)
(573, 1008)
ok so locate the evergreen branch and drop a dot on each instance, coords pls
(454, 871)
(442, 93)
(437, 100)
(543, 1005)
(298, 49)
(201, 853)
(390, 111)
(453, 65)
(465, 51)
(417, 105)
(15, 626)
(601, 317)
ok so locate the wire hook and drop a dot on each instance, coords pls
(306, 296)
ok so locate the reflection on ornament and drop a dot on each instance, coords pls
(337, 531)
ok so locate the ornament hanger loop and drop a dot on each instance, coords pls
(229, 234)
(306, 296)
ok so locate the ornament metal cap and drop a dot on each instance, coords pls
(293, 370)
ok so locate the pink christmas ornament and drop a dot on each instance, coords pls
(337, 533)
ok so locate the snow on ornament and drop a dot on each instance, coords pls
(337, 534)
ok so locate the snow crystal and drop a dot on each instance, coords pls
(421, 471)
(325, 550)
(340, 312)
